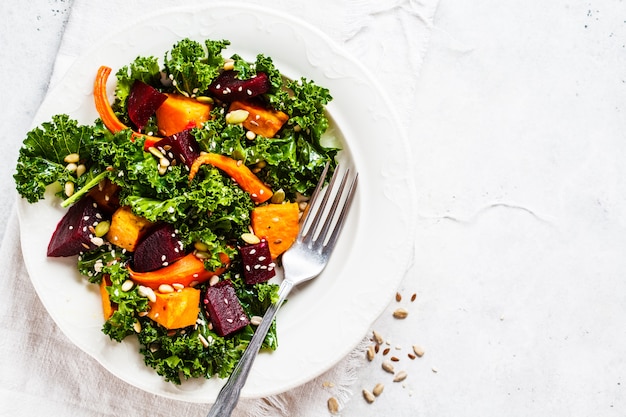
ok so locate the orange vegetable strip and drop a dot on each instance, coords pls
(184, 271)
(236, 170)
(104, 109)
(107, 307)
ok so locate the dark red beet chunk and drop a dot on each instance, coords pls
(143, 100)
(72, 235)
(181, 146)
(160, 248)
(227, 87)
(257, 263)
(224, 308)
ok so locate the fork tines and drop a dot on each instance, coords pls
(322, 220)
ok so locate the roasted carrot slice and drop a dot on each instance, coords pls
(236, 170)
(184, 271)
(107, 306)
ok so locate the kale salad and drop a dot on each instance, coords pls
(182, 196)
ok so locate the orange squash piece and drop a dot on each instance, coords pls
(238, 171)
(107, 306)
(127, 228)
(176, 309)
(278, 224)
(184, 271)
(262, 121)
(179, 113)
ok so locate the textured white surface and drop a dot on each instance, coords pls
(518, 134)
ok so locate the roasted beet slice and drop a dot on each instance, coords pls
(224, 309)
(158, 249)
(143, 100)
(181, 146)
(73, 234)
(227, 87)
(257, 263)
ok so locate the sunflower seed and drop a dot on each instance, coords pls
(388, 367)
(369, 397)
(401, 313)
(400, 376)
(333, 405)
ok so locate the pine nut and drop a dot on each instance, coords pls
(127, 285)
(378, 389)
(69, 188)
(377, 337)
(72, 158)
(147, 292)
(214, 280)
(229, 65)
(166, 288)
(388, 367)
(137, 327)
(400, 376)
(371, 352)
(333, 405)
(250, 135)
(154, 151)
(369, 397)
(256, 320)
(80, 170)
(419, 351)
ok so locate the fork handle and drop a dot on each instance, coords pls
(229, 394)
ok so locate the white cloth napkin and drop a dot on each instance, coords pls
(41, 371)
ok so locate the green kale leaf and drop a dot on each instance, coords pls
(192, 66)
(41, 157)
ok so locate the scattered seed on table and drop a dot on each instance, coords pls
(419, 351)
(398, 297)
(378, 389)
(333, 405)
(394, 359)
(369, 397)
(371, 352)
(386, 351)
(400, 376)
(413, 297)
(401, 313)
(377, 337)
(388, 367)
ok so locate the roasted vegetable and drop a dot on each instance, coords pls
(278, 223)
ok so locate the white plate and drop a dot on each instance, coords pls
(325, 319)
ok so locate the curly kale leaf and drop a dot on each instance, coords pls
(127, 303)
(193, 66)
(41, 157)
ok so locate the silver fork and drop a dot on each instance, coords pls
(306, 259)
